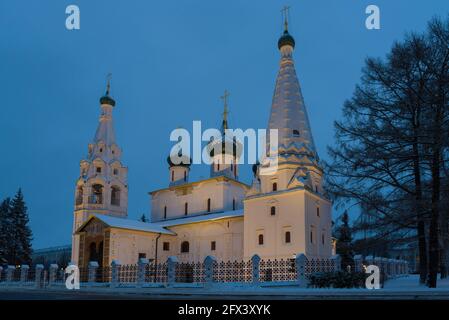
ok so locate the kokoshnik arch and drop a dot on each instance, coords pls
(276, 217)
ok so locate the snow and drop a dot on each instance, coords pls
(200, 218)
(124, 223)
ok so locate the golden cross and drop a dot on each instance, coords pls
(108, 79)
(284, 11)
(224, 97)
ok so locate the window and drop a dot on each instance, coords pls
(317, 211)
(115, 172)
(296, 133)
(260, 239)
(273, 210)
(233, 204)
(218, 167)
(311, 235)
(184, 247)
(208, 205)
(186, 208)
(79, 195)
(275, 186)
(185, 175)
(322, 238)
(101, 149)
(213, 245)
(232, 167)
(165, 212)
(115, 196)
(172, 176)
(98, 169)
(142, 255)
(166, 246)
(287, 237)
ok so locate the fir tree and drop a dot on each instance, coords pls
(5, 230)
(344, 242)
(21, 249)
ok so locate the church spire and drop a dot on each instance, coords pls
(288, 111)
(105, 135)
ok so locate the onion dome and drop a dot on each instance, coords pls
(106, 99)
(228, 146)
(184, 162)
(286, 39)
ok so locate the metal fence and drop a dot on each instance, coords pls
(256, 271)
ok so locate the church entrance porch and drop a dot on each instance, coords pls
(94, 246)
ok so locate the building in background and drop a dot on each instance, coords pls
(54, 255)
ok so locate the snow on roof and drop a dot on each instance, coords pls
(124, 223)
(200, 218)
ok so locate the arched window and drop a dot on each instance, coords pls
(115, 196)
(184, 247)
(273, 210)
(218, 167)
(186, 208)
(172, 176)
(97, 194)
(275, 186)
(287, 237)
(233, 204)
(260, 239)
(185, 175)
(317, 211)
(296, 133)
(311, 236)
(79, 195)
(165, 212)
(208, 205)
(232, 167)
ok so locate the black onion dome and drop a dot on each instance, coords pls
(226, 147)
(107, 100)
(255, 167)
(286, 39)
(185, 161)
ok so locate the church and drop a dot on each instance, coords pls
(278, 216)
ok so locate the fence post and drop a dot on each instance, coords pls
(38, 275)
(10, 273)
(255, 261)
(115, 269)
(209, 270)
(24, 273)
(142, 265)
(92, 272)
(52, 274)
(358, 263)
(171, 272)
(301, 261)
(337, 262)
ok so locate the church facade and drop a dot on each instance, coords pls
(278, 216)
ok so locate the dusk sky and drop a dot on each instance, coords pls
(171, 62)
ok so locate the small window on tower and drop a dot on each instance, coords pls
(98, 169)
(296, 133)
(287, 237)
(115, 172)
(213, 246)
(273, 210)
(260, 239)
(101, 149)
(165, 212)
(275, 186)
(317, 211)
(186, 208)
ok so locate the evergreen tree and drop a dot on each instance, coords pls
(5, 230)
(22, 235)
(344, 242)
(143, 218)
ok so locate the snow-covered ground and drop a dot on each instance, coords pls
(400, 288)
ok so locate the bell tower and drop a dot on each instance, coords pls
(101, 187)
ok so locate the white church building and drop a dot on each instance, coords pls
(277, 217)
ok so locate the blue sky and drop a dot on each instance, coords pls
(171, 61)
